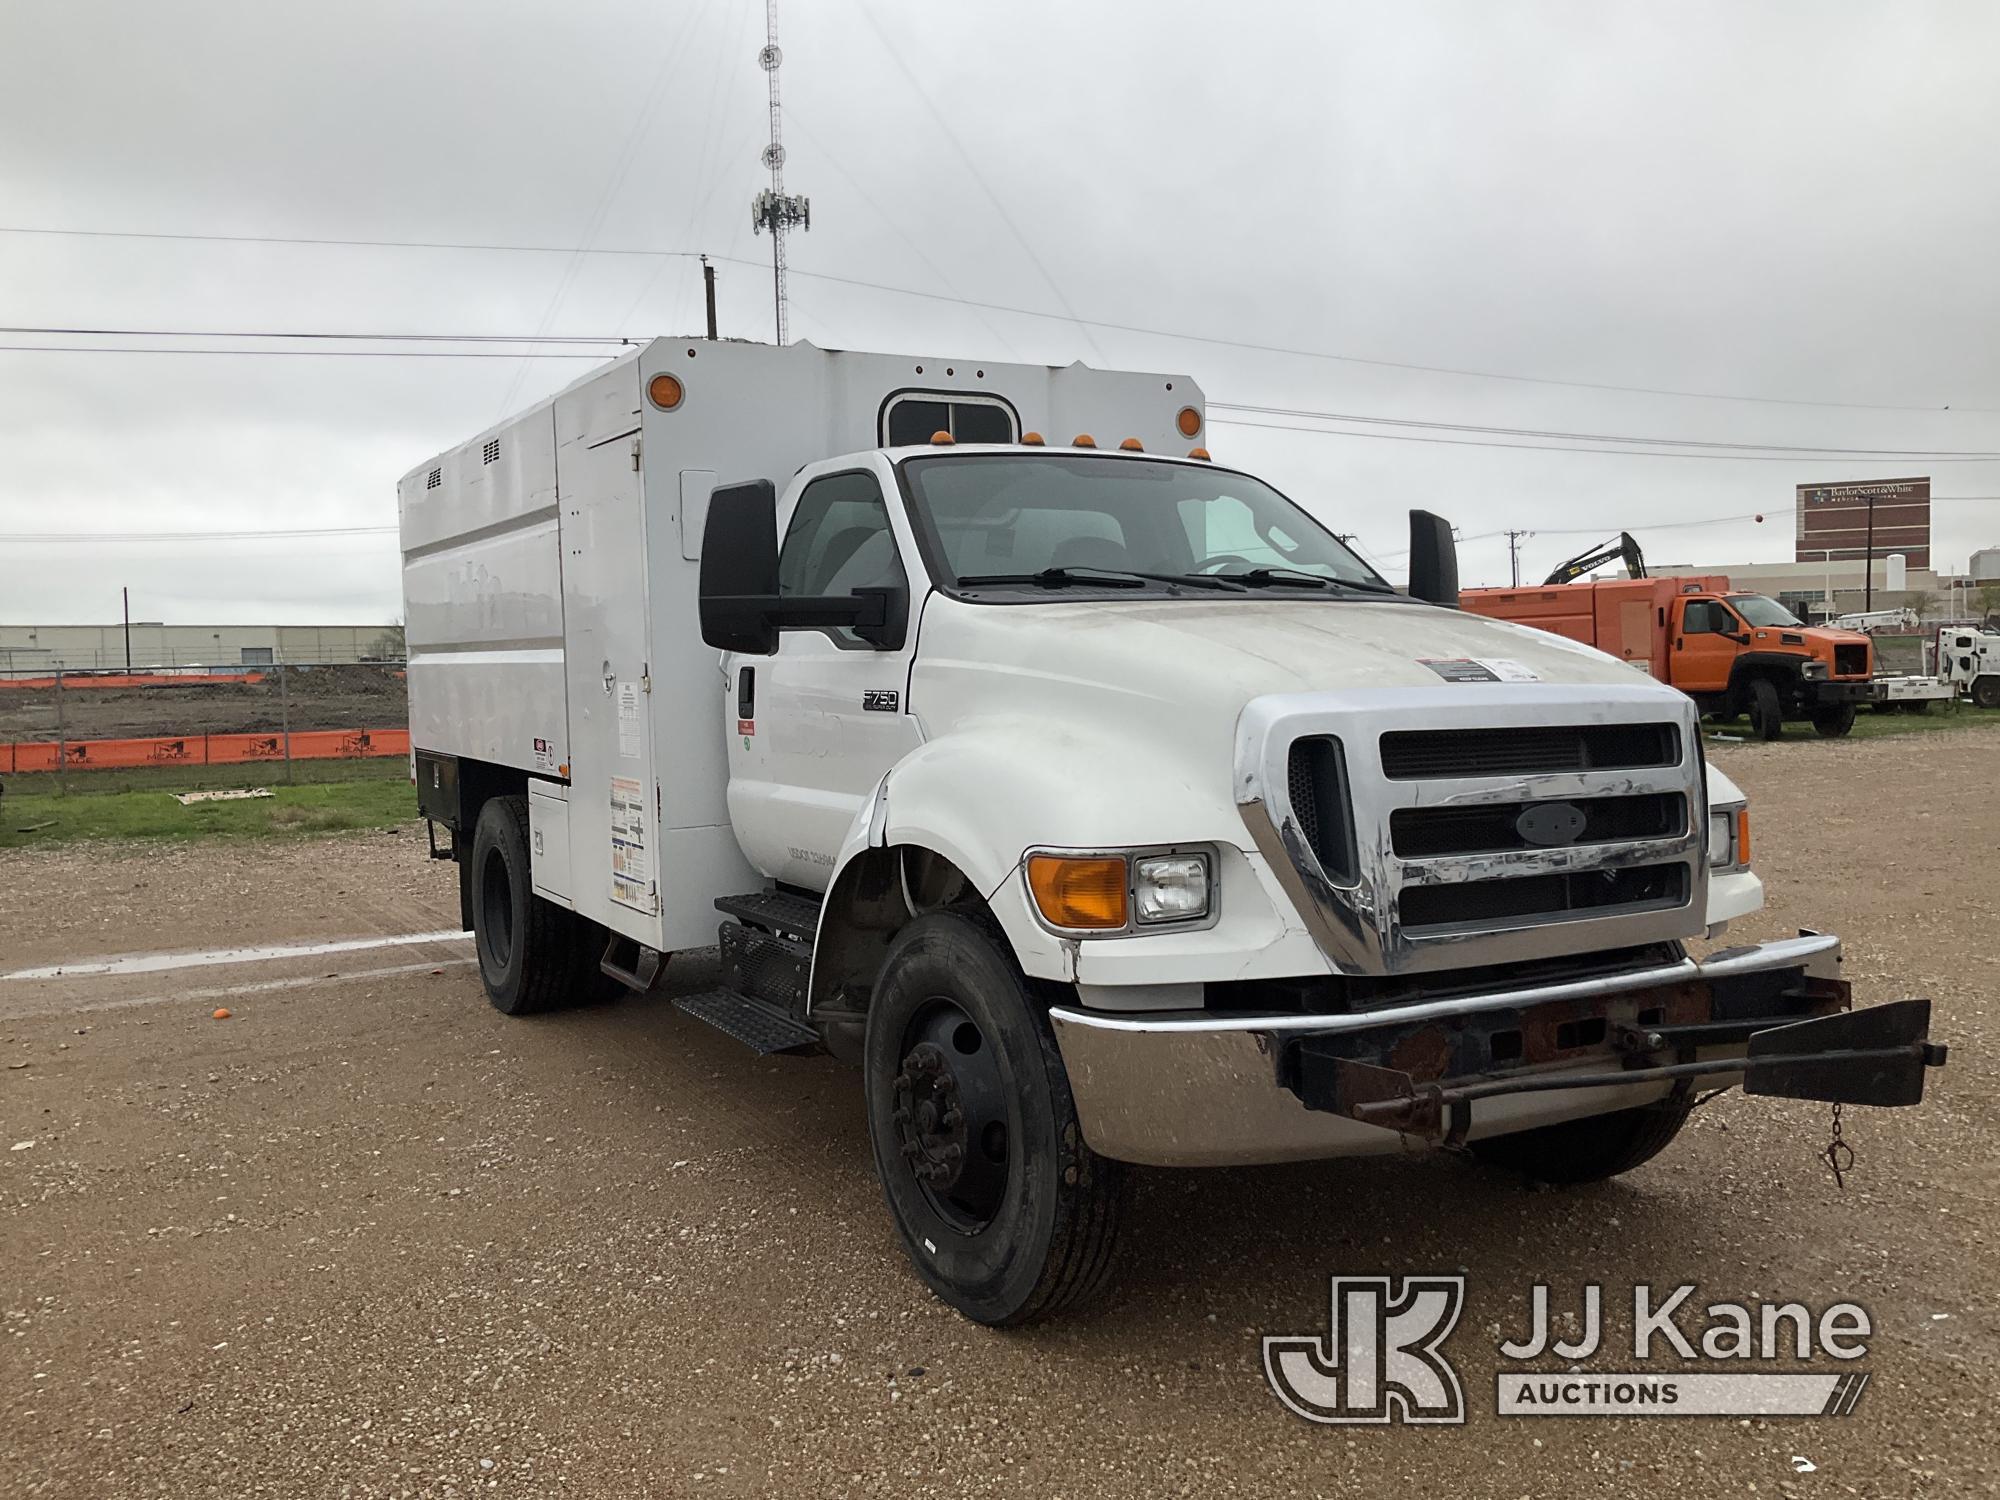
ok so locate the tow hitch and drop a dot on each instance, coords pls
(1877, 1056)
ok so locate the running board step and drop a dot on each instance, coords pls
(762, 1028)
(774, 911)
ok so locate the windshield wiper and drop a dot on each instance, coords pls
(1265, 578)
(1059, 578)
(1092, 577)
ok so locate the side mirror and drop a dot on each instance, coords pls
(742, 609)
(1433, 559)
(739, 568)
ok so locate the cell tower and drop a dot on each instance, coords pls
(775, 209)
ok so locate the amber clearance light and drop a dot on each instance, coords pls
(665, 391)
(1087, 893)
(1188, 421)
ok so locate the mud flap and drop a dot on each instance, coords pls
(1872, 1056)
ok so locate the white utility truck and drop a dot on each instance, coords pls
(1091, 795)
(1969, 660)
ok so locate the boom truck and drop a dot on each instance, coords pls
(1088, 794)
(1733, 652)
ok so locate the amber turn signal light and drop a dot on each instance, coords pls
(665, 391)
(1743, 836)
(1080, 893)
(1188, 421)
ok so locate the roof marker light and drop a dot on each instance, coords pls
(942, 439)
(1200, 453)
(1132, 445)
(1031, 440)
(1083, 440)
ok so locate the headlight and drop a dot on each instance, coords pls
(1812, 669)
(1116, 894)
(1729, 837)
(1170, 887)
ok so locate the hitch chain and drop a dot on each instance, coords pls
(1838, 1155)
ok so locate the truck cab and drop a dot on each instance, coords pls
(1091, 796)
(1738, 653)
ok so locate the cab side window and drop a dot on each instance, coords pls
(1703, 617)
(838, 540)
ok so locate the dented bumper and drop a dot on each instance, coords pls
(1209, 1088)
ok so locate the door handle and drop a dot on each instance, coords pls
(746, 692)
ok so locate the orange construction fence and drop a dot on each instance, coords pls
(205, 749)
(131, 679)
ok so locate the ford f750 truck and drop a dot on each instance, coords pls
(1088, 793)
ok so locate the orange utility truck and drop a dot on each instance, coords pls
(1732, 652)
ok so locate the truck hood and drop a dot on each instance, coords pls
(1214, 655)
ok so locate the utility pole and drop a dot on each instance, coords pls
(773, 208)
(708, 291)
(1868, 567)
(1514, 540)
(125, 594)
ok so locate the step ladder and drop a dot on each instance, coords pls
(765, 965)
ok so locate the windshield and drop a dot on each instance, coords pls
(1057, 518)
(1758, 610)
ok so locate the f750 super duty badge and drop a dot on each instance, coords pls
(881, 700)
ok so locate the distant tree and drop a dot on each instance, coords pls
(1924, 603)
(1989, 599)
(388, 646)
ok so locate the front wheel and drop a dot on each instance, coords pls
(1833, 720)
(1767, 709)
(1590, 1149)
(1986, 692)
(1005, 1212)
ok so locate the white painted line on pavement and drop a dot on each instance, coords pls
(52, 1007)
(154, 963)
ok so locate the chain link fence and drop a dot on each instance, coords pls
(71, 723)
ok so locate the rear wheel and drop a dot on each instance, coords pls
(1005, 1212)
(1591, 1149)
(1767, 709)
(1833, 720)
(533, 954)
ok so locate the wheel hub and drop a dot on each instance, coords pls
(930, 1121)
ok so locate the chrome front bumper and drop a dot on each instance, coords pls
(1212, 1089)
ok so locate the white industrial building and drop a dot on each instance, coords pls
(29, 650)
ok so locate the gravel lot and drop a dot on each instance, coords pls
(336, 697)
(368, 1237)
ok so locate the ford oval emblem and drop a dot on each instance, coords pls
(1550, 824)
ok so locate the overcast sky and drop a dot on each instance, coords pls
(1788, 201)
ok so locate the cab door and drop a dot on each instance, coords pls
(1704, 644)
(820, 721)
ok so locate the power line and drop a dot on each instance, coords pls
(231, 333)
(299, 353)
(303, 533)
(1596, 437)
(327, 241)
(1400, 437)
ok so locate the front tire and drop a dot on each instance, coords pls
(1833, 721)
(1767, 709)
(533, 954)
(1986, 692)
(1006, 1214)
(1590, 1149)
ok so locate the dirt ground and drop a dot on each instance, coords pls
(368, 1237)
(338, 697)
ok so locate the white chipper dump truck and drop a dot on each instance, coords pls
(1089, 794)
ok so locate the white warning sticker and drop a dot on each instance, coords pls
(631, 860)
(1480, 669)
(628, 720)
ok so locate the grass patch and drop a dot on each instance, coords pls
(96, 810)
(1869, 725)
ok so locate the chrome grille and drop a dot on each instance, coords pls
(1423, 829)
